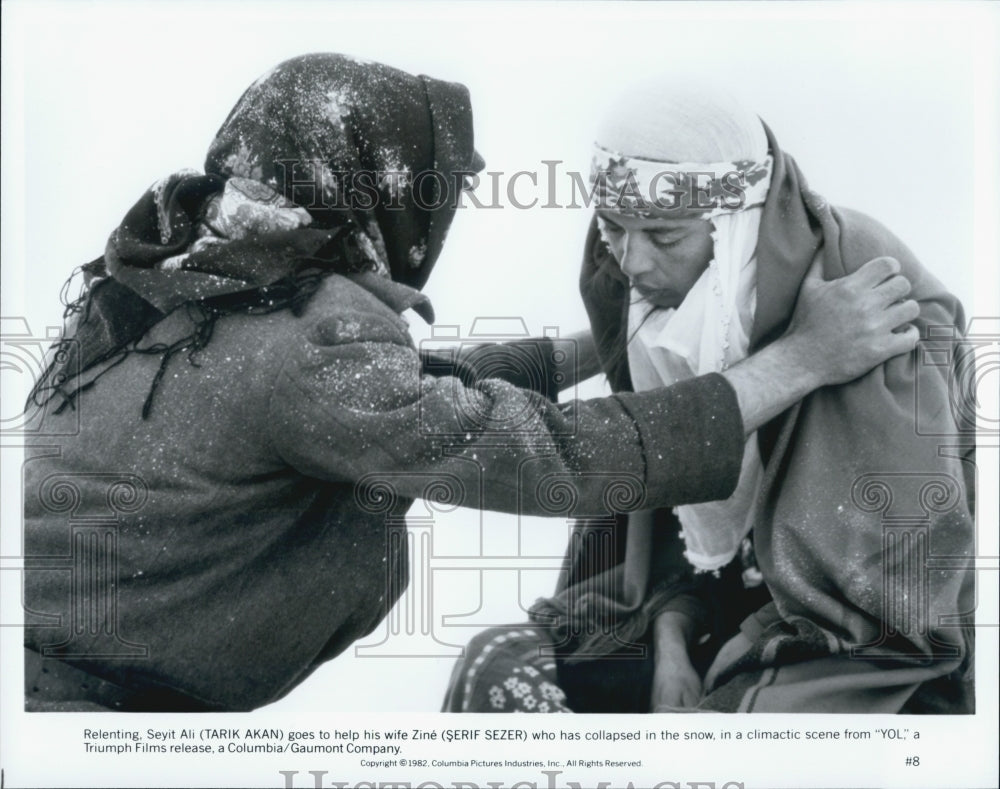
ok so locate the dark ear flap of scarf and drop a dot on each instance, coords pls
(451, 122)
(795, 225)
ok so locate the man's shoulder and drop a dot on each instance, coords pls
(337, 294)
(863, 237)
(342, 310)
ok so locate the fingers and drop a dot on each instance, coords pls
(902, 341)
(901, 312)
(875, 271)
(902, 336)
(894, 288)
(895, 344)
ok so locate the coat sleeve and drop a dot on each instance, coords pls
(350, 402)
(527, 364)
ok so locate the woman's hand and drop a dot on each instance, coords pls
(676, 684)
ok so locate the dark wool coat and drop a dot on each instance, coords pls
(243, 554)
(863, 531)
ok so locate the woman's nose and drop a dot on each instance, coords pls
(637, 256)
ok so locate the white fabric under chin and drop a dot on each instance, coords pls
(708, 332)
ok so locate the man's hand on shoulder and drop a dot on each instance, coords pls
(840, 330)
(845, 327)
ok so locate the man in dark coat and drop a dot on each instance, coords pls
(237, 402)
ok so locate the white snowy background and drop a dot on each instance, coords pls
(891, 111)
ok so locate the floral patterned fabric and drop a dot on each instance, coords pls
(650, 188)
(506, 671)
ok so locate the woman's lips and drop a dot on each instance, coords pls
(659, 297)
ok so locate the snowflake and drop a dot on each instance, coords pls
(416, 255)
(395, 181)
(529, 702)
(510, 683)
(337, 107)
(243, 162)
(531, 671)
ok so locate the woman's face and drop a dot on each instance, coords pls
(662, 258)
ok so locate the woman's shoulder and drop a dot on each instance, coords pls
(863, 237)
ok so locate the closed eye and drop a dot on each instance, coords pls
(608, 228)
(663, 242)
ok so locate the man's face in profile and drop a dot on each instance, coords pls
(662, 257)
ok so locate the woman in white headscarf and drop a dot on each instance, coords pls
(686, 240)
(785, 596)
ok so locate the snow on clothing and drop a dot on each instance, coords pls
(246, 553)
(858, 614)
(320, 133)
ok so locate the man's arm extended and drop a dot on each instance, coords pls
(840, 330)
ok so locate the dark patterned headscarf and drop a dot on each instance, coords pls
(333, 134)
(326, 164)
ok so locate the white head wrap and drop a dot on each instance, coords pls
(682, 123)
(710, 330)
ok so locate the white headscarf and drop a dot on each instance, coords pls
(710, 330)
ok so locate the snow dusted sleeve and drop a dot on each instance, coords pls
(351, 404)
